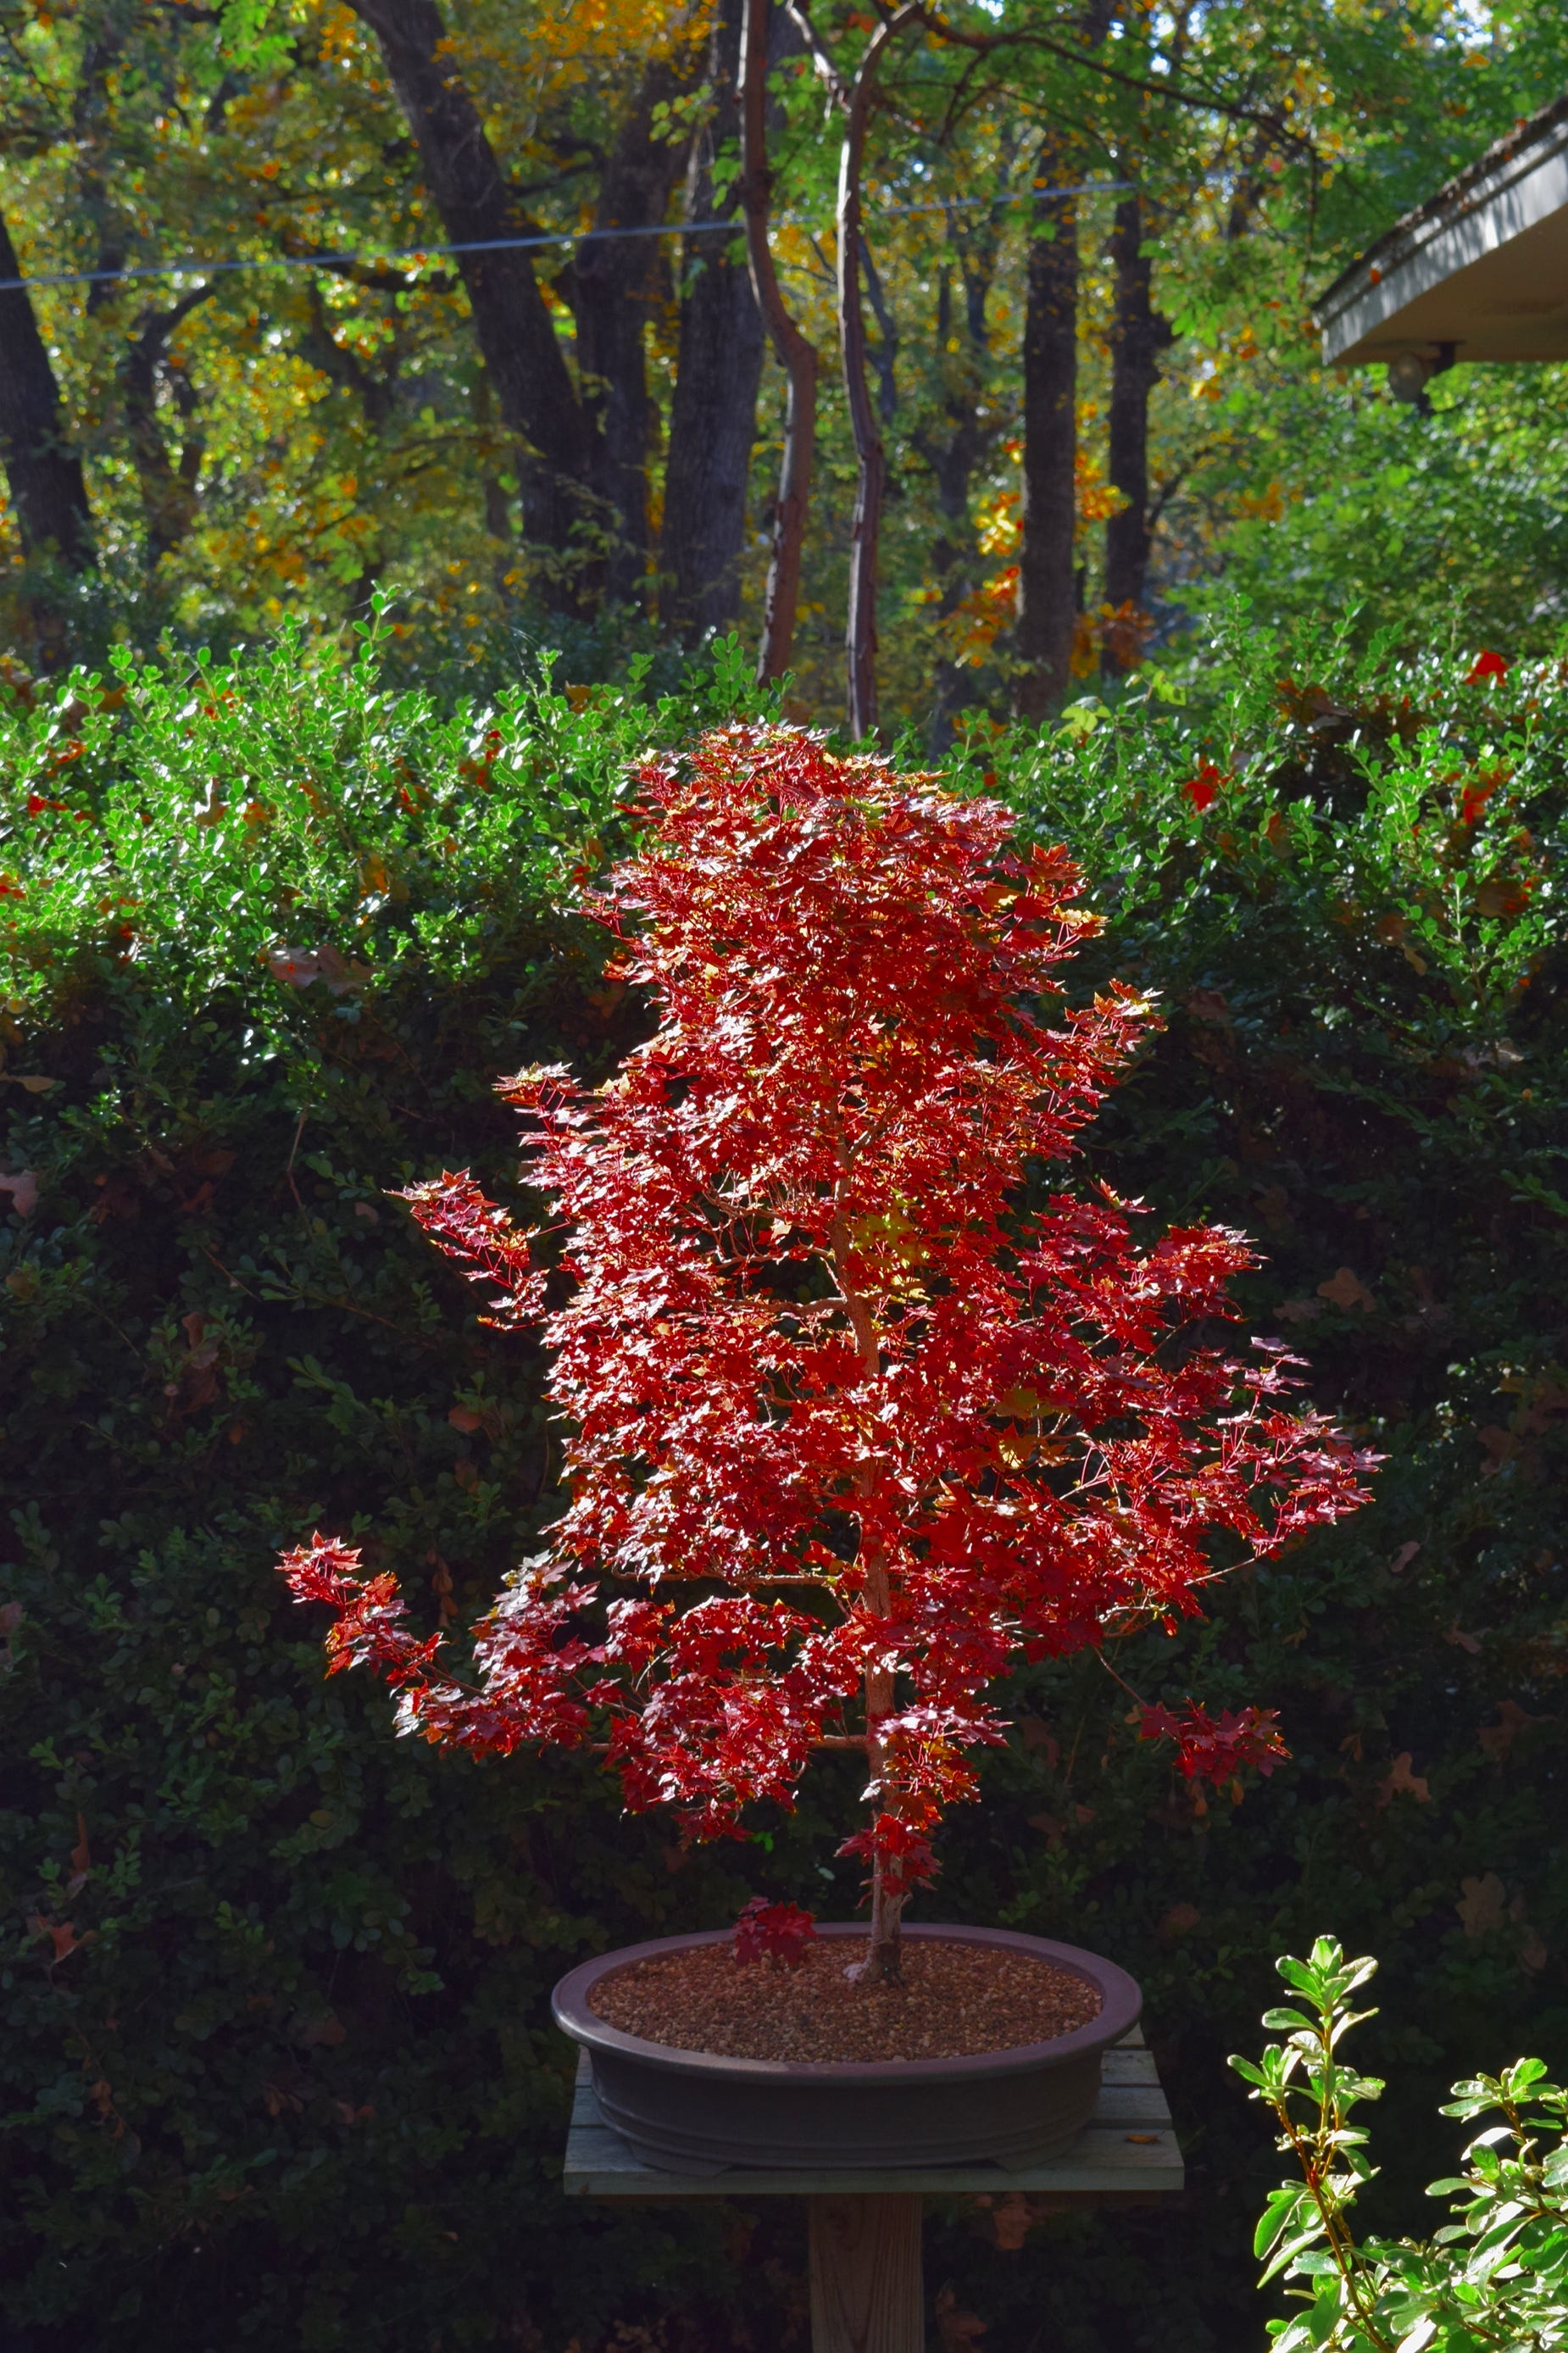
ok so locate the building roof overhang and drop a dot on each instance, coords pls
(1479, 271)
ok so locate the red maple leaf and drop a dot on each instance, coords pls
(1201, 788)
(1473, 797)
(773, 1932)
(895, 1850)
(815, 1352)
(1212, 1748)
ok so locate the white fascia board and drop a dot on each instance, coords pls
(1484, 211)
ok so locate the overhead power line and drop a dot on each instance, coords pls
(233, 262)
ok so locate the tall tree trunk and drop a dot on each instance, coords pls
(1139, 336)
(713, 414)
(44, 472)
(1047, 580)
(1047, 589)
(613, 285)
(953, 459)
(93, 153)
(492, 489)
(953, 554)
(860, 632)
(169, 499)
(799, 359)
(516, 335)
(374, 388)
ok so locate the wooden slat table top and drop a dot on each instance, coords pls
(1127, 2149)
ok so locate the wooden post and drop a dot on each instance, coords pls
(867, 2294)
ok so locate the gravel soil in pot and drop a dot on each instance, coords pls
(990, 2050)
(955, 2002)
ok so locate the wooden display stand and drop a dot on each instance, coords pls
(866, 2290)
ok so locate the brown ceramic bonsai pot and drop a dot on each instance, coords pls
(695, 2111)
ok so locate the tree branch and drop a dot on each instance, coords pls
(1204, 101)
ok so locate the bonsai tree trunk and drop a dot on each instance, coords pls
(800, 360)
(882, 1964)
(713, 412)
(1140, 335)
(884, 1960)
(1047, 600)
(534, 388)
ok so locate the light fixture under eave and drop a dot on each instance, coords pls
(1410, 373)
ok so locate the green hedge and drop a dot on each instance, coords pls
(1360, 947)
(275, 2056)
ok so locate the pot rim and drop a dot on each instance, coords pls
(1122, 2001)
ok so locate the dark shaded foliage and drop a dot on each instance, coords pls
(1359, 944)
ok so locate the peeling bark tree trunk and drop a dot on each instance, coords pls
(1047, 590)
(713, 413)
(614, 283)
(533, 387)
(44, 472)
(1140, 335)
(800, 360)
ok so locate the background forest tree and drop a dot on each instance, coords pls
(1092, 406)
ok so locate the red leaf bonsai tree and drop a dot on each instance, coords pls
(853, 1428)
